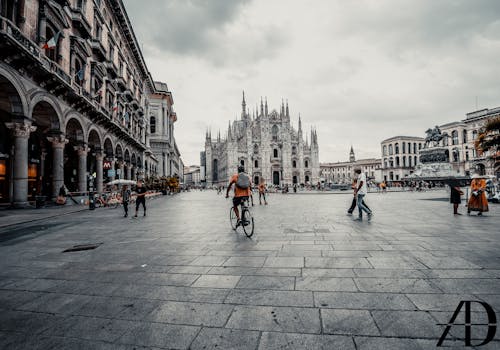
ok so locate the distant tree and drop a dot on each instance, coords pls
(488, 141)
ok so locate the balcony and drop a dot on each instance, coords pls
(22, 54)
(121, 82)
(135, 104)
(80, 22)
(98, 49)
(111, 68)
(128, 95)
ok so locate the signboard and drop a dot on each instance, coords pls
(106, 165)
(111, 172)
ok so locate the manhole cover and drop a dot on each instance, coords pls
(80, 247)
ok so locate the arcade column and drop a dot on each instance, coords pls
(82, 167)
(21, 132)
(99, 172)
(58, 144)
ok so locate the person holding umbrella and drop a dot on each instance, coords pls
(125, 199)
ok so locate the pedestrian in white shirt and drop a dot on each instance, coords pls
(361, 191)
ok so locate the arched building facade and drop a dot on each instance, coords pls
(73, 90)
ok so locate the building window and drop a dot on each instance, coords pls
(274, 132)
(275, 153)
(415, 148)
(419, 146)
(397, 161)
(445, 140)
(404, 147)
(454, 137)
(384, 150)
(409, 147)
(294, 164)
(79, 70)
(306, 164)
(255, 149)
(467, 155)
(474, 135)
(390, 150)
(464, 136)
(52, 52)
(256, 164)
(242, 162)
(152, 124)
(404, 161)
(111, 52)
(396, 148)
(294, 150)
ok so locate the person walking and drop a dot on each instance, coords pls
(125, 199)
(455, 195)
(354, 199)
(140, 190)
(361, 191)
(477, 201)
(262, 191)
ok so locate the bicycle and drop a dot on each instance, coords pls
(247, 221)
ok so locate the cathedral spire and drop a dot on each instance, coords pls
(265, 108)
(243, 107)
(261, 107)
(352, 157)
(229, 134)
(287, 111)
(300, 124)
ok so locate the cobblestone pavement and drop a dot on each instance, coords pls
(311, 277)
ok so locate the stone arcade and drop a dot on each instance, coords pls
(74, 91)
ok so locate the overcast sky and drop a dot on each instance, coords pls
(359, 71)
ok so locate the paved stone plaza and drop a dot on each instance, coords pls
(310, 277)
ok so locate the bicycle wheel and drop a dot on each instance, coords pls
(232, 218)
(248, 224)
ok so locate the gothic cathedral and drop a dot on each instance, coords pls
(267, 145)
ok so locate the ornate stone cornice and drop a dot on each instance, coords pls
(58, 141)
(82, 150)
(21, 129)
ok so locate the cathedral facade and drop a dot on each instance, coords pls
(267, 145)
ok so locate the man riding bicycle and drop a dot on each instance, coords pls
(242, 190)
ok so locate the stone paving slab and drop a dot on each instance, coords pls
(309, 278)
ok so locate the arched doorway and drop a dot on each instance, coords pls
(76, 142)
(133, 161)
(126, 166)
(41, 151)
(215, 170)
(109, 155)
(94, 156)
(276, 177)
(295, 180)
(119, 162)
(481, 168)
(11, 108)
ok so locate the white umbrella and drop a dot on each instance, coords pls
(121, 182)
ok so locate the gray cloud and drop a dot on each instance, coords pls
(360, 71)
(202, 29)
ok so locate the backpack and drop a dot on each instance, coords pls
(243, 181)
